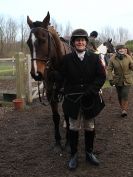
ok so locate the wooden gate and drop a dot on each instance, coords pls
(25, 87)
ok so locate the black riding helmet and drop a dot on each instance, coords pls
(78, 33)
(94, 34)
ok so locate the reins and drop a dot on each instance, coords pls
(43, 97)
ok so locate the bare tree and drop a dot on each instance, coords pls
(123, 35)
(24, 32)
(67, 31)
(107, 33)
(57, 26)
(2, 35)
(118, 36)
(11, 32)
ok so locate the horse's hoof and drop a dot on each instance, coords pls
(57, 149)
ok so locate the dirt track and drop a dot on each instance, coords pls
(26, 140)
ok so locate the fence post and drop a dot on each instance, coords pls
(29, 80)
(20, 75)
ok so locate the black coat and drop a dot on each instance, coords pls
(81, 77)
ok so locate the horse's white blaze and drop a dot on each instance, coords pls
(33, 38)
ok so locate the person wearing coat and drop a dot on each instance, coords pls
(92, 41)
(83, 75)
(120, 74)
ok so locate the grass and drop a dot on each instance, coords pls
(106, 84)
(7, 70)
(3, 67)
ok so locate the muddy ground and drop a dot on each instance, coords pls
(26, 141)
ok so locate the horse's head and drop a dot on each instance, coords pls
(41, 45)
(46, 47)
(105, 48)
(109, 45)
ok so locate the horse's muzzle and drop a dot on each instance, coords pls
(37, 77)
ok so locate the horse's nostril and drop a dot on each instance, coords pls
(39, 74)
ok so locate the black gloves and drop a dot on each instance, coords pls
(91, 90)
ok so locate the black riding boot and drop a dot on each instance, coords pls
(89, 139)
(73, 145)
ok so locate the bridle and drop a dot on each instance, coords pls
(48, 58)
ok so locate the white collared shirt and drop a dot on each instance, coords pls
(81, 55)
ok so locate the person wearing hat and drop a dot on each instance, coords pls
(83, 75)
(92, 41)
(120, 74)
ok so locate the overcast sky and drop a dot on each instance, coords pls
(87, 14)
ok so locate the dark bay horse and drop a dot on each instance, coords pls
(47, 50)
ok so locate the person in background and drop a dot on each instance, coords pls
(128, 52)
(119, 73)
(92, 41)
(83, 75)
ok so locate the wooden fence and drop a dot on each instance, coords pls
(26, 87)
(32, 88)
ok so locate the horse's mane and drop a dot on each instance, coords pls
(57, 40)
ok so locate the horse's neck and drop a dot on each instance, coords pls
(56, 40)
(102, 49)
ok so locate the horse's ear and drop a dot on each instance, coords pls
(110, 40)
(46, 20)
(29, 22)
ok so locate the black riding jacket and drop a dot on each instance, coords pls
(82, 75)
(81, 78)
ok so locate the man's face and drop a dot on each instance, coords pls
(80, 44)
(122, 51)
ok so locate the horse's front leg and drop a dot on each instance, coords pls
(56, 120)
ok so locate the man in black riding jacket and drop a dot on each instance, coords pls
(83, 76)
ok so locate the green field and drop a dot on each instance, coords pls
(106, 85)
(7, 70)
